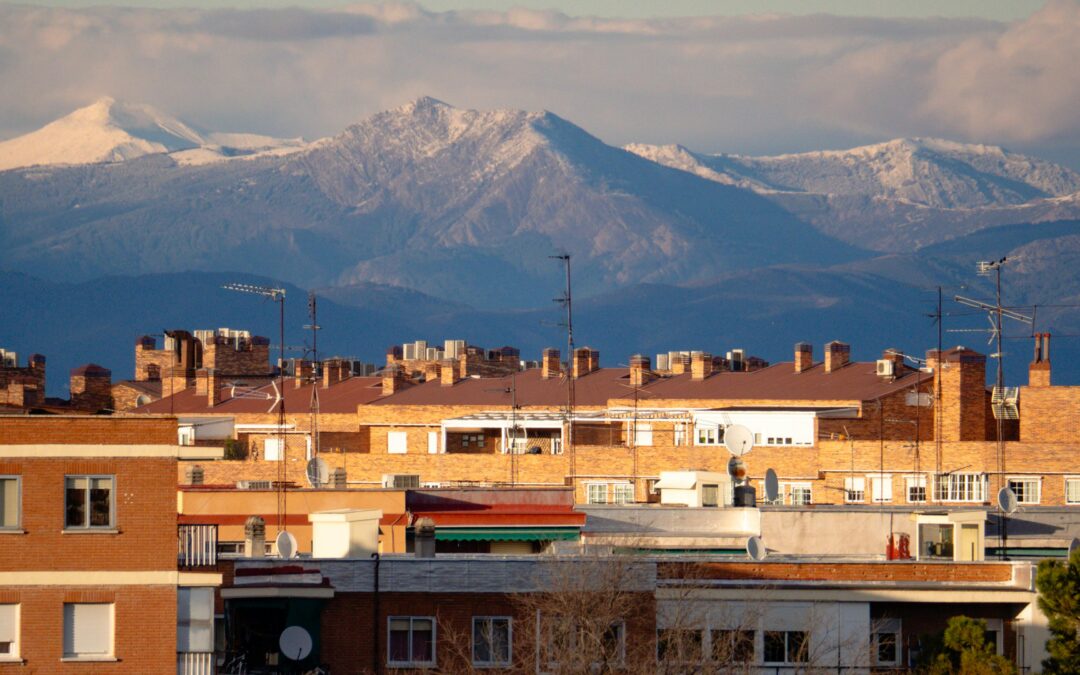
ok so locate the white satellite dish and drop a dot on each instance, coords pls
(295, 643)
(755, 548)
(286, 544)
(738, 440)
(772, 486)
(1007, 500)
(318, 472)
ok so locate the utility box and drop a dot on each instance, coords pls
(345, 533)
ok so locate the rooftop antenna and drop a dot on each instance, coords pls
(314, 327)
(512, 449)
(566, 300)
(277, 295)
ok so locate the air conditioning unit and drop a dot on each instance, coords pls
(401, 481)
(253, 485)
(885, 367)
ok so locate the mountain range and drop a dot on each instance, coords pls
(429, 217)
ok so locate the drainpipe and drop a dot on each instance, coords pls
(375, 619)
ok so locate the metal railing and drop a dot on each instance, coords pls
(195, 663)
(196, 545)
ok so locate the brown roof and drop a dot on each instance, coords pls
(152, 387)
(340, 397)
(594, 389)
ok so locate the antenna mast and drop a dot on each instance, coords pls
(567, 301)
(314, 327)
(275, 295)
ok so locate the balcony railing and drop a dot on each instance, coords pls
(195, 663)
(197, 545)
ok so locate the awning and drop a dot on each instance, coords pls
(507, 533)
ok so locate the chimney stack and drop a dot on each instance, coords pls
(897, 358)
(583, 361)
(680, 364)
(91, 388)
(1039, 370)
(213, 387)
(701, 365)
(424, 529)
(448, 373)
(804, 356)
(837, 355)
(549, 365)
(640, 370)
(393, 380)
(255, 537)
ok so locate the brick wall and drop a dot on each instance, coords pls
(1049, 414)
(93, 430)
(247, 357)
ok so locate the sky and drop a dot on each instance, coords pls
(762, 77)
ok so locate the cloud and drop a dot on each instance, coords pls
(750, 84)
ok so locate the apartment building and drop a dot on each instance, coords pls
(90, 579)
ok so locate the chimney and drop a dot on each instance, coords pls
(448, 373)
(432, 370)
(550, 366)
(897, 358)
(701, 365)
(200, 382)
(584, 357)
(1039, 370)
(213, 387)
(255, 537)
(963, 395)
(329, 375)
(680, 364)
(393, 380)
(424, 529)
(837, 355)
(91, 388)
(594, 360)
(640, 370)
(804, 356)
(302, 372)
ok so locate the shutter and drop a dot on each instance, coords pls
(396, 442)
(87, 629)
(433, 442)
(9, 621)
(882, 488)
(271, 450)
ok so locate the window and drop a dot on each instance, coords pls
(411, 642)
(88, 502)
(786, 646)
(88, 631)
(678, 645)
(915, 486)
(396, 442)
(195, 619)
(9, 632)
(680, 433)
(597, 493)
(623, 493)
(272, 450)
(472, 440)
(710, 494)
(1026, 489)
(491, 641)
(886, 638)
(642, 434)
(433, 442)
(881, 488)
(855, 489)
(960, 487)
(733, 646)
(1072, 490)
(10, 516)
(709, 434)
(799, 494)
(568, 641)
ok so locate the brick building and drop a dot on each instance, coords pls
(21, 387)
(89, 576)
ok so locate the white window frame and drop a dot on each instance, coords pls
(434, 642)
(272, 449)
(708, 433)
(854, 490)
(13, 650)
(590, 487)
(789, 490)
(17, 480)
(679, 434)
(397, 442)
(88, 507)
(1023, 495)
(622, 493)
(886, 627)
(881, 488)
(433, 442)
(544, 636)
(70, 616)
(1075, 480)
(509, 642)
(916, 482)
(971, 489)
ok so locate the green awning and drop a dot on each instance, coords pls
(507, 533)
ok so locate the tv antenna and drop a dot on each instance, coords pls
(566, 300)
(277, 295)
(314, 327)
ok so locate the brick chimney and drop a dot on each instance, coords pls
(583, 361)
(91, 387)
(701, 365)
(640, 370)
(393, 380)
(804, 356)
(963, 394)
(594, 360)
(448, 373)
(837, 355)
(200, 382)
(1039, 370)
(897, 358)
(680, 364)
(213, 387)
(549, 364)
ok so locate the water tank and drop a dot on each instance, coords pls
(745, 496)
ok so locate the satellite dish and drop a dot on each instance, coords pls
(1007, 500)
(736, 468)
(755, 548)
(286, 544)
(295, 643)
(318, 473)
(772, 486)
(738, 440)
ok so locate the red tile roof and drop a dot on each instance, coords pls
(340, 397)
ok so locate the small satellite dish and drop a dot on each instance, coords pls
(318, 472)
(295, 643)
(736, 468)
(738, 440)
(1007, 500)
(772, 486)
(286, 544)
(1073, 545)
(755, 548)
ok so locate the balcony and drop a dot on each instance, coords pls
(196, 545)
(194, 663)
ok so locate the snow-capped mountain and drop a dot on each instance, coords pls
(113, 131)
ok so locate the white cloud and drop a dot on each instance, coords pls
(755, 83)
